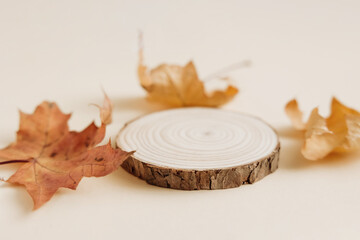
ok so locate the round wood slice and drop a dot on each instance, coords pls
(199, 148)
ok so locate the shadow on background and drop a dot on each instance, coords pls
(140, 104)
(289, 132)
(124, 179)
(22, 198)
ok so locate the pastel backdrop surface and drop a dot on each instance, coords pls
(66, 51)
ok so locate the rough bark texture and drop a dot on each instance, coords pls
(203, 179)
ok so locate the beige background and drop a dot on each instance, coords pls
(66, 50)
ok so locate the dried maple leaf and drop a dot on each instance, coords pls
(340, 132)
(180, 86)
(295, 115)
(55, 157)
(105, 110)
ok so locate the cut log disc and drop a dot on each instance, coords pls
(199, 148)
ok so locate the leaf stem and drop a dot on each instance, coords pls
(13, 161)
(230, 68)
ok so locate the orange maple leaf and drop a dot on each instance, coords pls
(55, 157)
(180, 85)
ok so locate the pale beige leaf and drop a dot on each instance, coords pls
(340, 132)
(346, 122)
(296, 116)
(319, 140)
